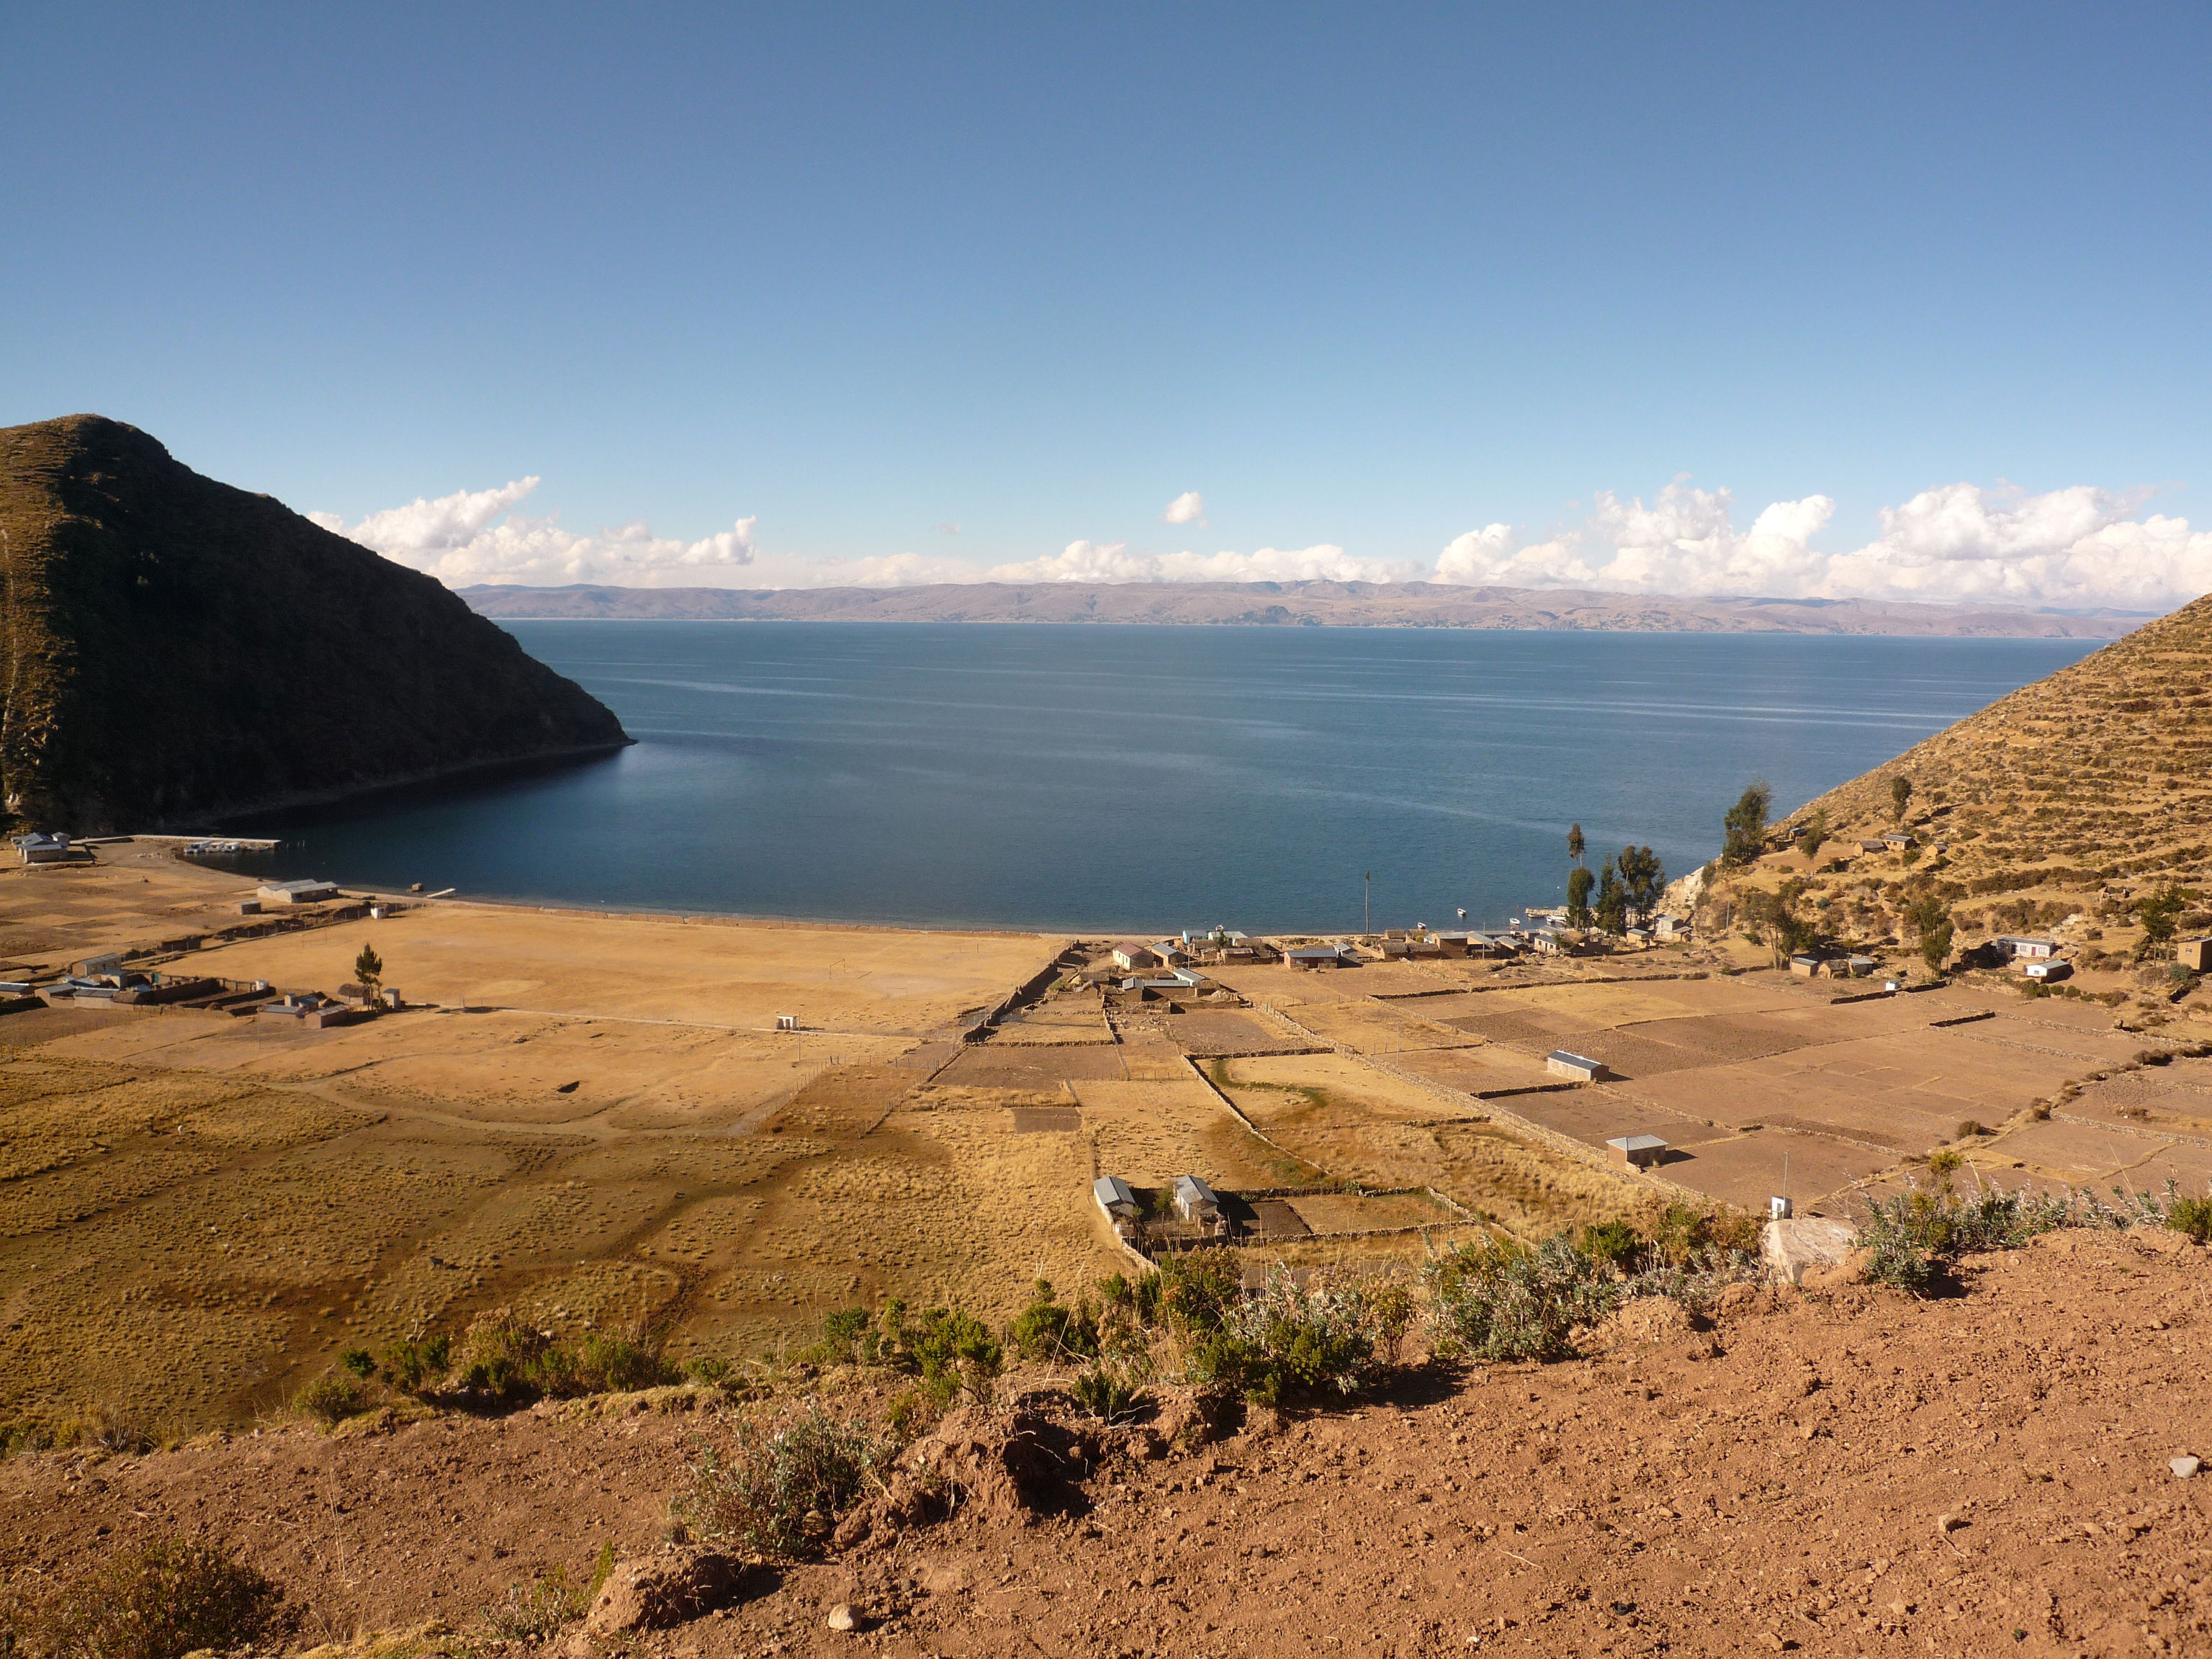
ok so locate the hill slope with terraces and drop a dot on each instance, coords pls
(2098, 773)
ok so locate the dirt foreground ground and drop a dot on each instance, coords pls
(1842, 1472)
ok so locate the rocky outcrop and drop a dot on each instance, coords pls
(171, 648)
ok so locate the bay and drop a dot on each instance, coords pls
(1132, 777)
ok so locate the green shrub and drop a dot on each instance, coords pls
(1195, 1290)
(949, 1348)
(1498, 1300)
(2192, 1216)
(779, 1493)
(417, 1363)
(1612, 1244)
(1109, 1394)
(1049, 1330)
(1286, 1340)
(331, 1399)
(1682, 1234)
(156, 1600)
(1915, 1235)
(360, 1362)
(617, 1364)
(706, 1368)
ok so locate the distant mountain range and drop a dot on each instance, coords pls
(1307, 603)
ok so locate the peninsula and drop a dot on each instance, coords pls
(177, 649)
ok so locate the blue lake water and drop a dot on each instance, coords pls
(1112, 777)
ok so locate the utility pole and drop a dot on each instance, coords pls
(1366, 908)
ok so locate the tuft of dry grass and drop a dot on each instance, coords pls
(157, 1600)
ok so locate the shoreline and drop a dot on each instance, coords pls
(214, 821)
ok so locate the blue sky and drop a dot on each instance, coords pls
(1371, 280)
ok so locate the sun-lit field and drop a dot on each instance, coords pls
(593, 1118)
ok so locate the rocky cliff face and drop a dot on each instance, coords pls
(172, 647)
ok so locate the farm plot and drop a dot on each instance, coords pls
(1373, 1028)
(1206, 1033)
(1150, 1132)
(1269, 1088)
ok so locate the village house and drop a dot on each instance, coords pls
(1129, 954)
(41, 848)
(1195, 1201)
(302, 891)
(2195, 955)
(2048, 972)
(1580, 1067)
(1320, 956)
(2027, 950)
(1638, 1151)
(1667, 928)
(1114, 1197)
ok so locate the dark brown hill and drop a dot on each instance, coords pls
(172, 647)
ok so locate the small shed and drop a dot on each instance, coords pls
(2195, 955)
(1806, 965)
(1114, 1197)
(1130, 955)
(1581, 1067)
(305, 890)
(1896, 843)
(1195, 1201)
(1316, 956)
(2028, 949)
(1670, 928)
(88, 967)
(1860, 967)
(1638, 1151)
(2048, 971)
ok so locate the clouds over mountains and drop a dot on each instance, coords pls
(2079, 547)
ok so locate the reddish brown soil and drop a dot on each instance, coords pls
(1774, 1483)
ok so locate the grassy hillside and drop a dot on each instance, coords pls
(2078, 795)
(172, 647)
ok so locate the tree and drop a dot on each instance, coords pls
(1643, 876)
(1579, 883)
(1900, 791)
(1929, 919)
(1576, 844)
(2160, 913)
(1611, 910)
(1745, 826)
(368, 968)
(1773, 918)
(1815, 832)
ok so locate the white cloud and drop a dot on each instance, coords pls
(1112, 562)
(2081, 547)
(455, 539)
(1190, 507)
(2077, 547)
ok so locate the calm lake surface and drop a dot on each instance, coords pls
(1112, 777)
